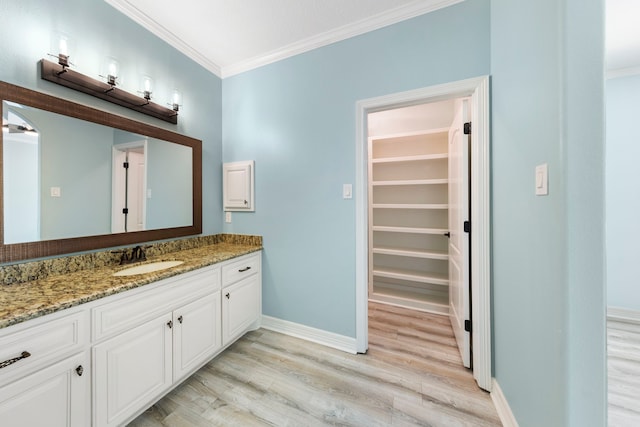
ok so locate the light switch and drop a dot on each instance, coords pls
(227, 217)
(542, 180)
(55, 192)
(347, 191)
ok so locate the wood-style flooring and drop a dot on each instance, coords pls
(411, 376)
(623, 348)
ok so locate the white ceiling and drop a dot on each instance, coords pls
(623, 35)
(231, 36)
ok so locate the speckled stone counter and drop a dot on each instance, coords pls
(23, 301)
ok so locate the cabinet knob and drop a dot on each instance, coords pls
(170, 324)
(246, 203)
(227, 295)
(180, 319)
(79, 370)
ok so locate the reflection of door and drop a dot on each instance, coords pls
(129, 188)
(459, 261)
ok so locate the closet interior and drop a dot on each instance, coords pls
(408, 206)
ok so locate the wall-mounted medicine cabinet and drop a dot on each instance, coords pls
(237, 186)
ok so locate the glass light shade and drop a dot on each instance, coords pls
(176, 99)
(146, 83)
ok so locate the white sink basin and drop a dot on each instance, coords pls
(147, 268)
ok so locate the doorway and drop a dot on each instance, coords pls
(477, 92)
(129, 187)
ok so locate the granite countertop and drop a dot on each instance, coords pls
(25, 301)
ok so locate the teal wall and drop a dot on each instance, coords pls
(623, 195)
(97, 30)
(296, 119)
(548, 259)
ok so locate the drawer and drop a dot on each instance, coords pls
(129, 311)
(46, 342)
(240, 268)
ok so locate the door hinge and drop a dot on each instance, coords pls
(467, 128)
(467, 325)
(125, 210)
(467, 227)
(125, 165)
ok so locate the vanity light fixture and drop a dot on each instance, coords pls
(176, 100)
(108, 90)
(147, 87)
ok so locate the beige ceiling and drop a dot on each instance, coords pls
(231, 36)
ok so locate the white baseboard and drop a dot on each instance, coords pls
(329, 339)
(502, 406)
(623, 315)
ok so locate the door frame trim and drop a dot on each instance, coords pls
(478, 89)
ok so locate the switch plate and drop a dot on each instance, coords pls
(227, 217)
(542, 180)
(347, 191)
(55, 192)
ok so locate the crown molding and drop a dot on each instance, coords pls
(366, 25)
(372, 23)
(141, 18)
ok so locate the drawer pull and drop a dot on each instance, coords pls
(227, 295)
(242, 270)
(79, 370)
(180, 319)
(6, 363)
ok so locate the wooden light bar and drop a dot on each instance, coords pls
(64, 76)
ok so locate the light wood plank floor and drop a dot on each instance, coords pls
(411, 376)
(623, 348)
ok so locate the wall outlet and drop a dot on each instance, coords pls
(227, 217)
(55, 192)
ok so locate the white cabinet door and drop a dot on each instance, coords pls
(57, 396)
(197, 334)
(131, 370)
(241, 306)
(237, 186)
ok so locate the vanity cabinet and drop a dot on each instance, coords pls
(242, 296)
(135, 367)
(45, 372)
(102, 363)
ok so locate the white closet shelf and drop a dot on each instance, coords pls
(413, 230)
(413, 276)
(414, 300)
(411, 253)
(410, 206)
(410, 158)
(410, 182)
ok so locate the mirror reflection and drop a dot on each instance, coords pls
(64, 178)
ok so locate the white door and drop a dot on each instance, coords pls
(459, 301)
(131, 370)
(197, 334)
(55, 396)
(240, 307)
(129, 187)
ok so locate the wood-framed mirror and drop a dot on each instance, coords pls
(75, 178)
